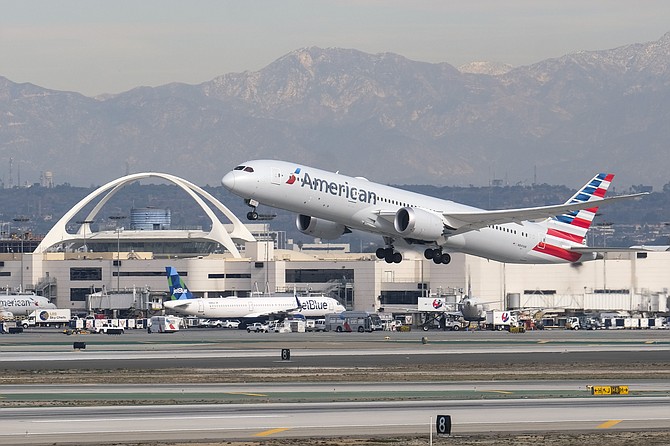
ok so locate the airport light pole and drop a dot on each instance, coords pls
(22, 220)
(117, 219)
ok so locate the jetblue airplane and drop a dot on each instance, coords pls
(331, 204)
(183, 301)
(22, 304)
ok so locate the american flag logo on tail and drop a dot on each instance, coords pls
(573, 226)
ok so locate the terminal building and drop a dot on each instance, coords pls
(88, 269)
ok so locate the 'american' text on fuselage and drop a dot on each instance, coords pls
(338, 189)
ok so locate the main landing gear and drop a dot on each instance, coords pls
(389, 255)
(437, 255)
(252, 214)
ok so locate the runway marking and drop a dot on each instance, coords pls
(608, 424)
(542, 342)
(504, 392)
(271, 431)
(180, 417)
(246, 394)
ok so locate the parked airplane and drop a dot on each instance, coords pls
(22, 304)
(183, 301)
(471, 311)
(331, 204)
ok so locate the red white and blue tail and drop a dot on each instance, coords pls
(573, 226)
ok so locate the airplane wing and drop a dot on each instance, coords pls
(460, 222)
(637, 248)
(273, 314)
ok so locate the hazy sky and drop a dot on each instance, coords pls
(95, 46)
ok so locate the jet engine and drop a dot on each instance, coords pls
(418, 224)
(325, 229)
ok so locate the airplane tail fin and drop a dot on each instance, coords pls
(178, 290)
(573, 226)
(297, 301)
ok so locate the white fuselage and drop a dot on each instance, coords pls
(255, 307)
(364, 205)
(22, 304)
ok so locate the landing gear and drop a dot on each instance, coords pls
(253, 204)
(389, 255)
(437, 255)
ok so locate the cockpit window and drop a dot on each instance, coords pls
(239, 168)
(248, 169)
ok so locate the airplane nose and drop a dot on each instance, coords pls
(228, 180)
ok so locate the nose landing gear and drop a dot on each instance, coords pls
(253, 204)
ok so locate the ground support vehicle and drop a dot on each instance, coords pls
(56, 317)
(109, 329)
(258, 327)
(500, 320)
(320, 325)
(348, 321)
(164, 324)
(444, 321)
(231, 323)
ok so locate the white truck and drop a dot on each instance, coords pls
(500, 320)
(164, 324)
(58, 317)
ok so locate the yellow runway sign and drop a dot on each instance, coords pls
(609, 390)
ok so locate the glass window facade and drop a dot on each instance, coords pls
(318, 275)
(85, 274)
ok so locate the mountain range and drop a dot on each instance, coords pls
(381, 116)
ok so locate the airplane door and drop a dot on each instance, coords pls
(251, 306)
(201, 306)
(276, 176)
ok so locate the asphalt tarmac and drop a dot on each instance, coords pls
(227, 385)
(43, 348)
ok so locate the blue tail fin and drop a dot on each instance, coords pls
(178, 289)
(297, 301)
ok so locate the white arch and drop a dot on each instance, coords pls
(58, 234)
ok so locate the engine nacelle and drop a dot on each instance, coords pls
(325, 229)
(418, 224)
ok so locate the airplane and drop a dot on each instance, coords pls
(22, 304)
(331, 204)
(471, 311)
(183, 301)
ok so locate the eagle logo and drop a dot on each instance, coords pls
(293, 177)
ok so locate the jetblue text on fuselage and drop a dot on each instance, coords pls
(312, 304)
(338, 189)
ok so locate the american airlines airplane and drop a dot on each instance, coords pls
(331, 204)
(183, 301)
(22, 304)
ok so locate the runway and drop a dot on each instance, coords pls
(295, 420)
(332, 385)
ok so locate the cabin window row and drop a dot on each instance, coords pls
(508, 230)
